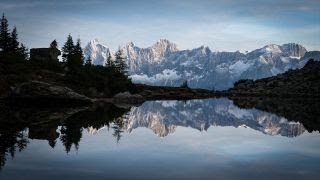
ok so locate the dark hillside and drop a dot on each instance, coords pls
(300, 82)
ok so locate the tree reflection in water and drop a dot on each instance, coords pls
(19, 125)
(43, 124)
(10, 142)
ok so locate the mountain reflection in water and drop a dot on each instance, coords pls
(20, 126)
(164, 116)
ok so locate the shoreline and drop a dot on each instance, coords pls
(145, 93)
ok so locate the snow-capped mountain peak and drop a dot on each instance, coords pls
(130, 44)
(204, 50)
(94, 41)
(162, 48)
(272, 48)
(163, 64)
(97, 52)
(165, 44)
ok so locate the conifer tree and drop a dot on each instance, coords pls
(89, 61)
(72, 54)
(78, 54)
(13, 44)
(9, 43)
(4, 34)
(23, 52)
(185, 84)
(109, 61)
(68, 49)
(120, 63)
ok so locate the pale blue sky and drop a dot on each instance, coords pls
(223, 25)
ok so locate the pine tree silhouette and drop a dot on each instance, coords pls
(89, 61)
(4, 34)
(13, 44)
(68, 49)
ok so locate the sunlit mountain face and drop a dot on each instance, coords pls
(164, 64)
(159, 89)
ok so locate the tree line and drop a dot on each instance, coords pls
(72, 53)
(9, 44)
(80, 74)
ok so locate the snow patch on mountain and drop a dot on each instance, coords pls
(294, 57)
(164, 64)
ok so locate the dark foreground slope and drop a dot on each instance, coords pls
(48, 82)
(303, 82)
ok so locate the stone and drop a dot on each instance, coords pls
(37, 92)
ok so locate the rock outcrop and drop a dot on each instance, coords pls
(45, 94)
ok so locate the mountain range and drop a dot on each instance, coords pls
(165, 65)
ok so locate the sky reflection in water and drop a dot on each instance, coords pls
(158, 141)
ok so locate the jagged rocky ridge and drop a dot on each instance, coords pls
(163, 64)
(163, 117)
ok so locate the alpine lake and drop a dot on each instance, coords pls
(217, 138)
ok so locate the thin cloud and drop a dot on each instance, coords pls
(222, 25)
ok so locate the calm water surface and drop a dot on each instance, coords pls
(196, 139)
